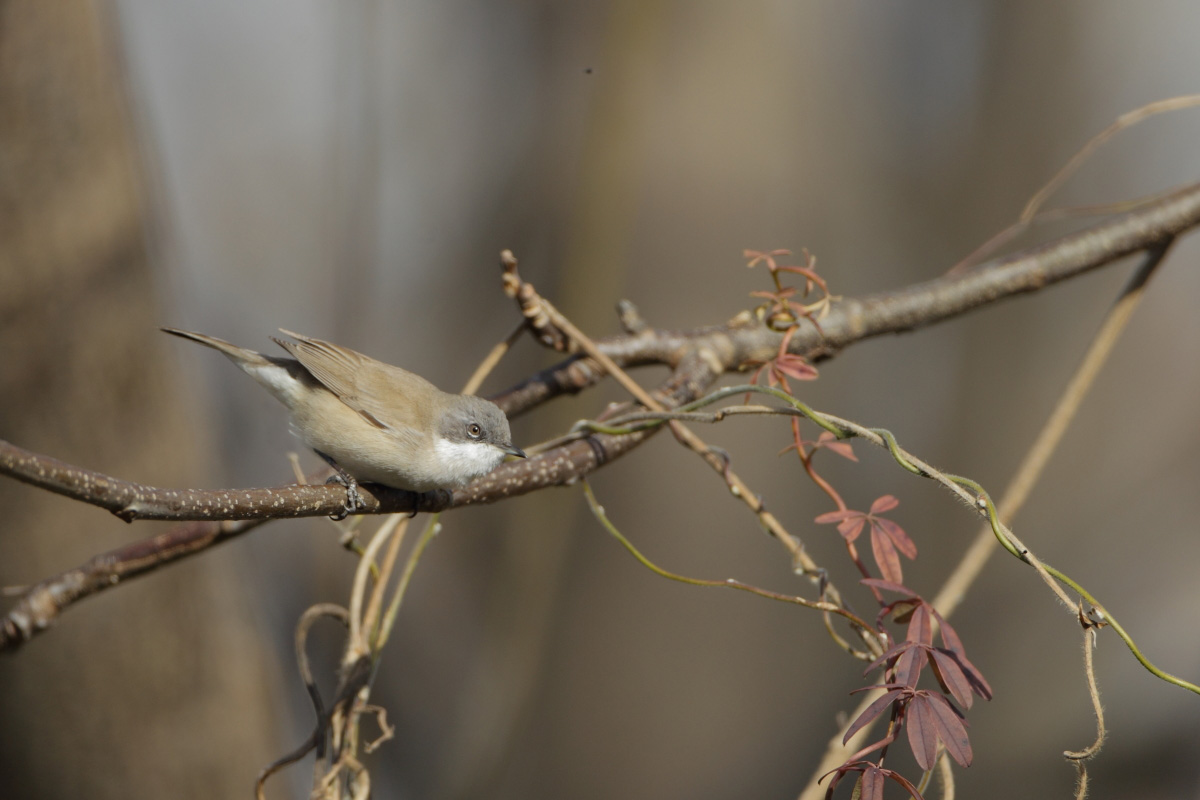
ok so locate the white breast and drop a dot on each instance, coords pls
(462, 462)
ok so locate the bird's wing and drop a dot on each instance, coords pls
(372, 388)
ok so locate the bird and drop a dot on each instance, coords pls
(374, 422)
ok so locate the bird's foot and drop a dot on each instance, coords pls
(354, 499)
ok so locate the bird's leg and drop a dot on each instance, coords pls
(354, 500)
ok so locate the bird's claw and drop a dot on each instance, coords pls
(354, 499)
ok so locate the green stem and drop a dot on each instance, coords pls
(729, 583)
(847, 430)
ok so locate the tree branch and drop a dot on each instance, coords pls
(743, 340)
(697, 358)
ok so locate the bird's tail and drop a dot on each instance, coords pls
(239, 355)
(283, 377)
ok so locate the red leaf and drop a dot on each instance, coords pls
(889, 586)
(831, 442)
(885, 503)
(898, 536)
(978, 682)
(888, 656)
(871, 712)
(765, 256)
(851, 528)
(902, 610)
(801, 372)
(885, 555)
(950, 676)
(809, 275)
(951, 730)
(839, 773)
(871, 784)
(796, 367)
(903, 781)
(908, 666)
(919, 628)
(919, 719)
(949, 635)
(836, 516)
(954, 645)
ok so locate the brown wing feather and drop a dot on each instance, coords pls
(372, 388)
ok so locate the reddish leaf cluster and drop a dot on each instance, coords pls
(888, 539)
(785, 365)
(767, 258)
(928, 716)
(826, 441)
(784, 309)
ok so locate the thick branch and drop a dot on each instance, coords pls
(133, 501)
(41, 604)
(742, 340)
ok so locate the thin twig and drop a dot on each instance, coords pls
(492, 359)
(1032, 212)
(1126, 120)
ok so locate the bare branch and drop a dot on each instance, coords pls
(851, 320)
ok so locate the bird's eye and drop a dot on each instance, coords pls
(474, 431)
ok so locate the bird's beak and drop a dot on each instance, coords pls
(512, 450)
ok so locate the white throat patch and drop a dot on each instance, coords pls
(461, 462)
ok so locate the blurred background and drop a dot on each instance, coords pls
(351, 170)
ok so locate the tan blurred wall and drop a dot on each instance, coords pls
(120, 699)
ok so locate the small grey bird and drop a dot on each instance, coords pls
(374, 422)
